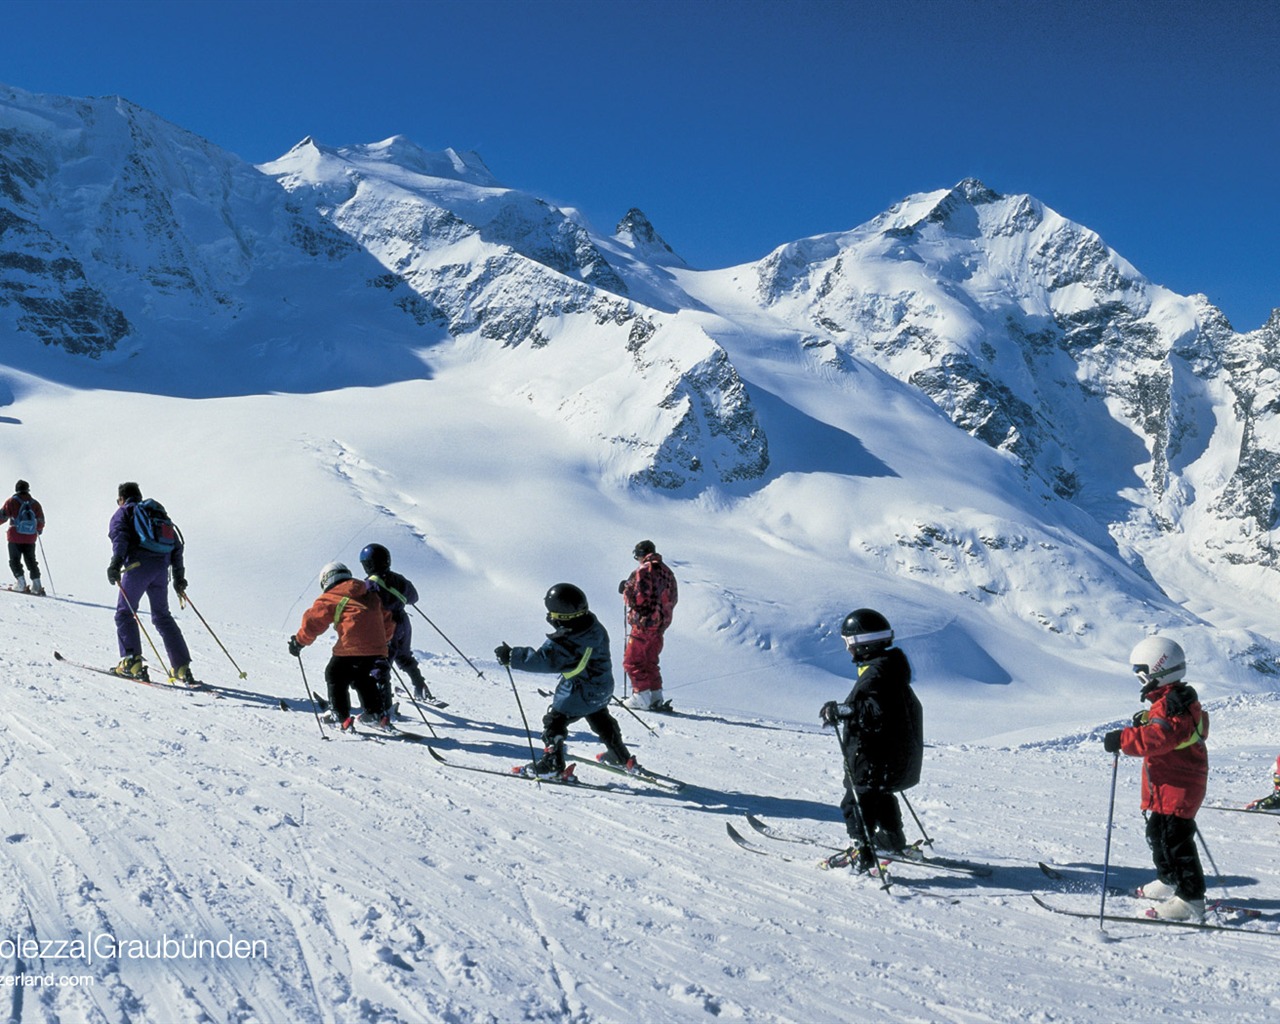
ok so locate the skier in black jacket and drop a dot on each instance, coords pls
(883, 738)
(396, 592)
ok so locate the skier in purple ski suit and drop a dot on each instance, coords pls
(135, 572)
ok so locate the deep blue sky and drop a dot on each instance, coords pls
(738, 126)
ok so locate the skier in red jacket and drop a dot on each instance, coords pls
(26, 522)
(1170, 739)
(650, 595)
(365, 628)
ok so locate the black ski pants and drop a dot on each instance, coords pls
(879, 809)
(18, 553)
(555, 728)
(365, 673)
(1173, 848)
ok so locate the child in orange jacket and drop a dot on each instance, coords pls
(364, 629)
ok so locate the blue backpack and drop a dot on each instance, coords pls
(25, 521)
(156, 531)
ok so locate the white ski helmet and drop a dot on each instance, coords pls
(334, 572)
(1159, 661)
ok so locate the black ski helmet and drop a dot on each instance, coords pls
(866, 633)
(565, 601)
(375, 558)
(645, 547)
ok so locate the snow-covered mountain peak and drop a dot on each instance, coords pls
(636, 232)
(402, 152)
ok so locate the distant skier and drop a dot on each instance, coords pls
(883, 738)
(650, 594)
(25, 517)
(1272, 801)
(396, 592)
(578, 649)
(145, 548)
(365, 628)
(1170, 739)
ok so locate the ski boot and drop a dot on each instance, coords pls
(131, 667)
(182, 677)
(610, 758)
(859, 859)
(549, 766)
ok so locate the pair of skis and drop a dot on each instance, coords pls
(1220, 907)
(154, 684)
(643, 776)
(1149, 917)
(949, 865)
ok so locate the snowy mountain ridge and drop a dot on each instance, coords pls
(1113, 438)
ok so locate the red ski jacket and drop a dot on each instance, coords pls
(1171, 743)
(8, 513)
(650, 594)
(354, 609)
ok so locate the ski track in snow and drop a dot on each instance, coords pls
(389, 888)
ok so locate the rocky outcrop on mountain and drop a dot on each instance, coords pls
(118, 228)
(637, 233)
(1252, 494)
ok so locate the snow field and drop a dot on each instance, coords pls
(387, 887)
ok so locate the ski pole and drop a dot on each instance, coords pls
(413, 702)
(527, 731)
(857, 808)
(1106, 856)
(626, 639)
(451, 643)
(314, 708)
(44, 558)
(138, 619)
(927, 840)
(184, 598)
(627, 707)
(1209, 856)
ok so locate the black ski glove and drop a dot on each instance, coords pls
(829, 713)
(1111, 741)
(295, 647)
(113, 573)
(622, 587)
(503, 653)
(179, 585)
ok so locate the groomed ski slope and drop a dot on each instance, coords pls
(380, 886)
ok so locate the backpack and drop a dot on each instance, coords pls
(155, 530)
(25, 522)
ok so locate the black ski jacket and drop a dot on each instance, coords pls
(884, 738)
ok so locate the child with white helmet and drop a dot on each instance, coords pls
(364, 627)
(1170, 739)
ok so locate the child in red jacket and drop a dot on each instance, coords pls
(364, 629)
(1175, 771)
